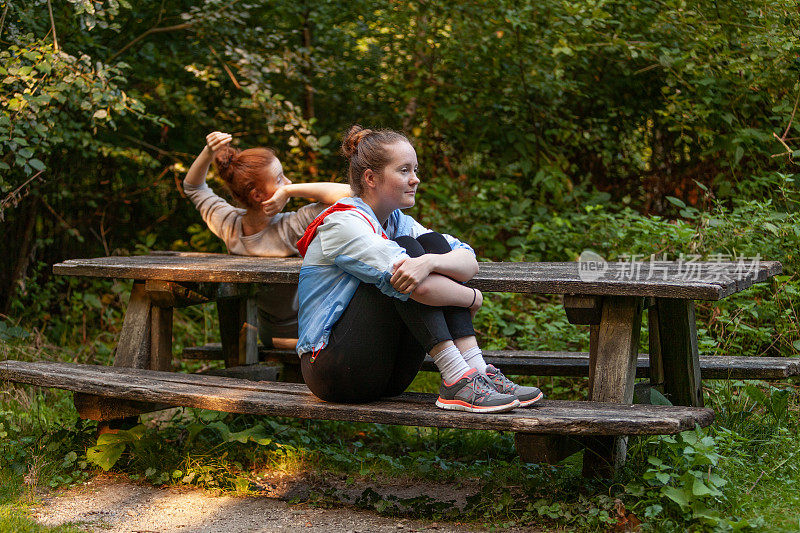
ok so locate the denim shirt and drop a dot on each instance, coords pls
(348, 249)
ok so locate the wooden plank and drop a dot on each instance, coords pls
(238, 324)
(613, 356)
(541, 363)
(249, 372)
(103, 408)
(679, 353)
(711, 281)
(161, 338)
(548, 449)
(289, 399)
(170, 294)
(656, 364)
(133, 348)
(616, 349)
(583, 309)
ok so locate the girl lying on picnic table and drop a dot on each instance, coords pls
(378, 290)
(256, 181)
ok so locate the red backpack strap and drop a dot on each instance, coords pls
(311, 230)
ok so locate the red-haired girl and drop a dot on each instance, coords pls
(256, 181)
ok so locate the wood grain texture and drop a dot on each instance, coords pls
(702, 281)
(238, 325)
(656, 363)
(539, 363)
(133, 348)
(677, 336)
(160, 338)
(289, 399)
(616, 350)
(613, 354)
(171, 294)
(549, 449)
(102, 408)
(582, 309)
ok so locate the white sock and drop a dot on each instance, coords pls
(474, 358)
(450, 364)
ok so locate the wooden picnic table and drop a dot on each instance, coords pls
(608, 297)
(611, 305)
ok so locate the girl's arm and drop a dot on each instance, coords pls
(196, 175)
(409, 273)
(324, 192)
(440, 291)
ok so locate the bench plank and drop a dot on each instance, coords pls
(295, 400)
(537, 363)
(705, 281)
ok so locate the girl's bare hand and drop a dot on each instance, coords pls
(217, 139)
(410, 272)
(276, 203)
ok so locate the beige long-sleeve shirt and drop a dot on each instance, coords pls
(278, 239)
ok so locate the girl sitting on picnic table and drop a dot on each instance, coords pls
(256, 180)
(378, 290)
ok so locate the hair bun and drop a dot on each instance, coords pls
(352, 138)
(224, 158)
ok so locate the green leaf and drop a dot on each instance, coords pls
(717, 481)
(699, 488)
(772, 228)
(663, 477)
(780, 403)
(105, 456)
(738, 154)
(676, 495)
(676, 202)
(656, 398)
(36, 164)
(100, 114)
(756, 394)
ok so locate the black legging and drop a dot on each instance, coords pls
(378, 344)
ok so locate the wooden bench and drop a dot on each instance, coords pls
(569, 419)
(540, 363)
(611, 303)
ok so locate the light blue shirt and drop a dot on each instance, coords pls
(348, 249)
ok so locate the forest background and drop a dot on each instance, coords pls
(543, 129)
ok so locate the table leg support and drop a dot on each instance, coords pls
(133, 348)
(548, 449)
(676, 333)
(613, 351)
(654, 348)
(144, 342)
(238, 325)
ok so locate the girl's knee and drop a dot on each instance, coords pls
(412, 246)
(433, 243)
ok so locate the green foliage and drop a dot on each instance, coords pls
(543, 129)
(685, 477)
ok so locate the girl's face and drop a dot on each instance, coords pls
(396, 187)
(275, 179)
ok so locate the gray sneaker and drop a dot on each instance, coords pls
(527, 396)
(472, 392)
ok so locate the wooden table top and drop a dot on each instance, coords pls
(665, 279)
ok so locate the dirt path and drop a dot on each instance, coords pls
(118, 505)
